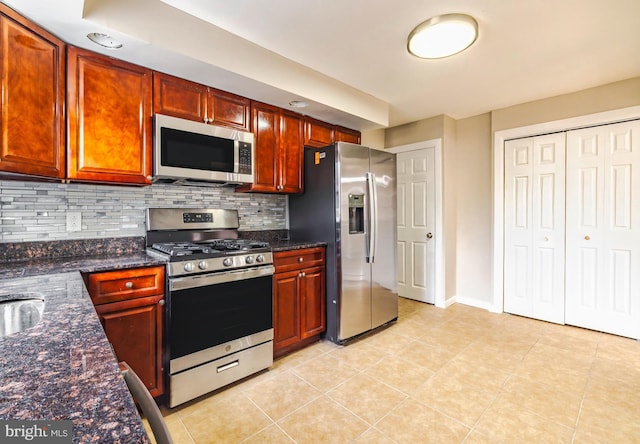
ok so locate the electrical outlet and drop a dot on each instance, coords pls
(74, 221)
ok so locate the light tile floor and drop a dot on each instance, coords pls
(460, 375)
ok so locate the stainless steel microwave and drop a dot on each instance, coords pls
(197, 153)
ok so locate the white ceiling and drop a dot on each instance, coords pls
(348, 58)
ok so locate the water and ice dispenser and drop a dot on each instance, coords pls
(356, 213)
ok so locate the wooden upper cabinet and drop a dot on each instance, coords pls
(317, 134)
(32, 106)
(229, 110)
(291, 158)
(189, 100)
(110, 119)
(177, 97)
(266, 130)
(278, 150)
(347, 135)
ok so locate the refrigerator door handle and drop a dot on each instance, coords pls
(373, 214)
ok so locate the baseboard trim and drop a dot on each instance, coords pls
(486, 305)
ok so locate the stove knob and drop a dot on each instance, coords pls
(227, 262)
(260, 258)
(188, 266)
(202, 265)
(249, 259)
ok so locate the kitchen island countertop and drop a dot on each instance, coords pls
(63, 368)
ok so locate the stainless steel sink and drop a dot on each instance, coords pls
(20, 312)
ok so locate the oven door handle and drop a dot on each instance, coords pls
(219, 278)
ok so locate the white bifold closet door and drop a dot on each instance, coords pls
(534, 227)
(603, 228)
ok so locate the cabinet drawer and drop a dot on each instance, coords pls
(120, 285)
(298, 259)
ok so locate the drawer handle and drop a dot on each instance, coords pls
(300, 259)
(228, 366)
(129, 285)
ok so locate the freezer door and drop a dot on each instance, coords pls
(355, 298)
(384, 287)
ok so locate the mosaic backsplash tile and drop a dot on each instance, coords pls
(35, 211)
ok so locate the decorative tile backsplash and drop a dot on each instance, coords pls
(35, 211)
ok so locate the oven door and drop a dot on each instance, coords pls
(216, 314)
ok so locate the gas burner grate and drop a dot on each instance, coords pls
(181, 248)
(236, 244)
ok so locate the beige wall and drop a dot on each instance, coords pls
(474, 209)
(373, 138)
(467, 170)
(608, 97)
(427, 129)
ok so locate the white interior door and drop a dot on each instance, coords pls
(534, 227)
(603, 228)
(416, 224)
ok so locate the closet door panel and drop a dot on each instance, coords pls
(517, 227)
(534, 227)
(603, 236)
(548, 227)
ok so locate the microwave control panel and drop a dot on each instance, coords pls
(244, 158)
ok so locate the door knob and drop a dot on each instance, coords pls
(587, 238)
(429, 235)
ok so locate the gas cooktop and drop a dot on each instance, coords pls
(210, 248)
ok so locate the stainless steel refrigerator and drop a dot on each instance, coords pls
(349, 202)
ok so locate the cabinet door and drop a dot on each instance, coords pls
(134, 329)
(228, 109)
(317, 134)
(312, 302)
(110, 126)
(177, 97)
(32, 106)
(291, 152)
(347, 135)
(286, 321)
(266, 128)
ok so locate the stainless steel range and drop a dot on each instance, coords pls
(219, 303)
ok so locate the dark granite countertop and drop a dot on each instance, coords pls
(284, 245)
(43, 266)
(63, 367)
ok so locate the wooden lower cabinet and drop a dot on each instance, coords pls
(133, 322)
(299, 311)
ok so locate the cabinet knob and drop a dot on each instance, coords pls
(161, 302)
(304, 274)
(149, 178)
(129, 285)
(300, 259)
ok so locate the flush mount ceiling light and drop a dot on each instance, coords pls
(298, 104)
(442, 36)
(104, 40)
